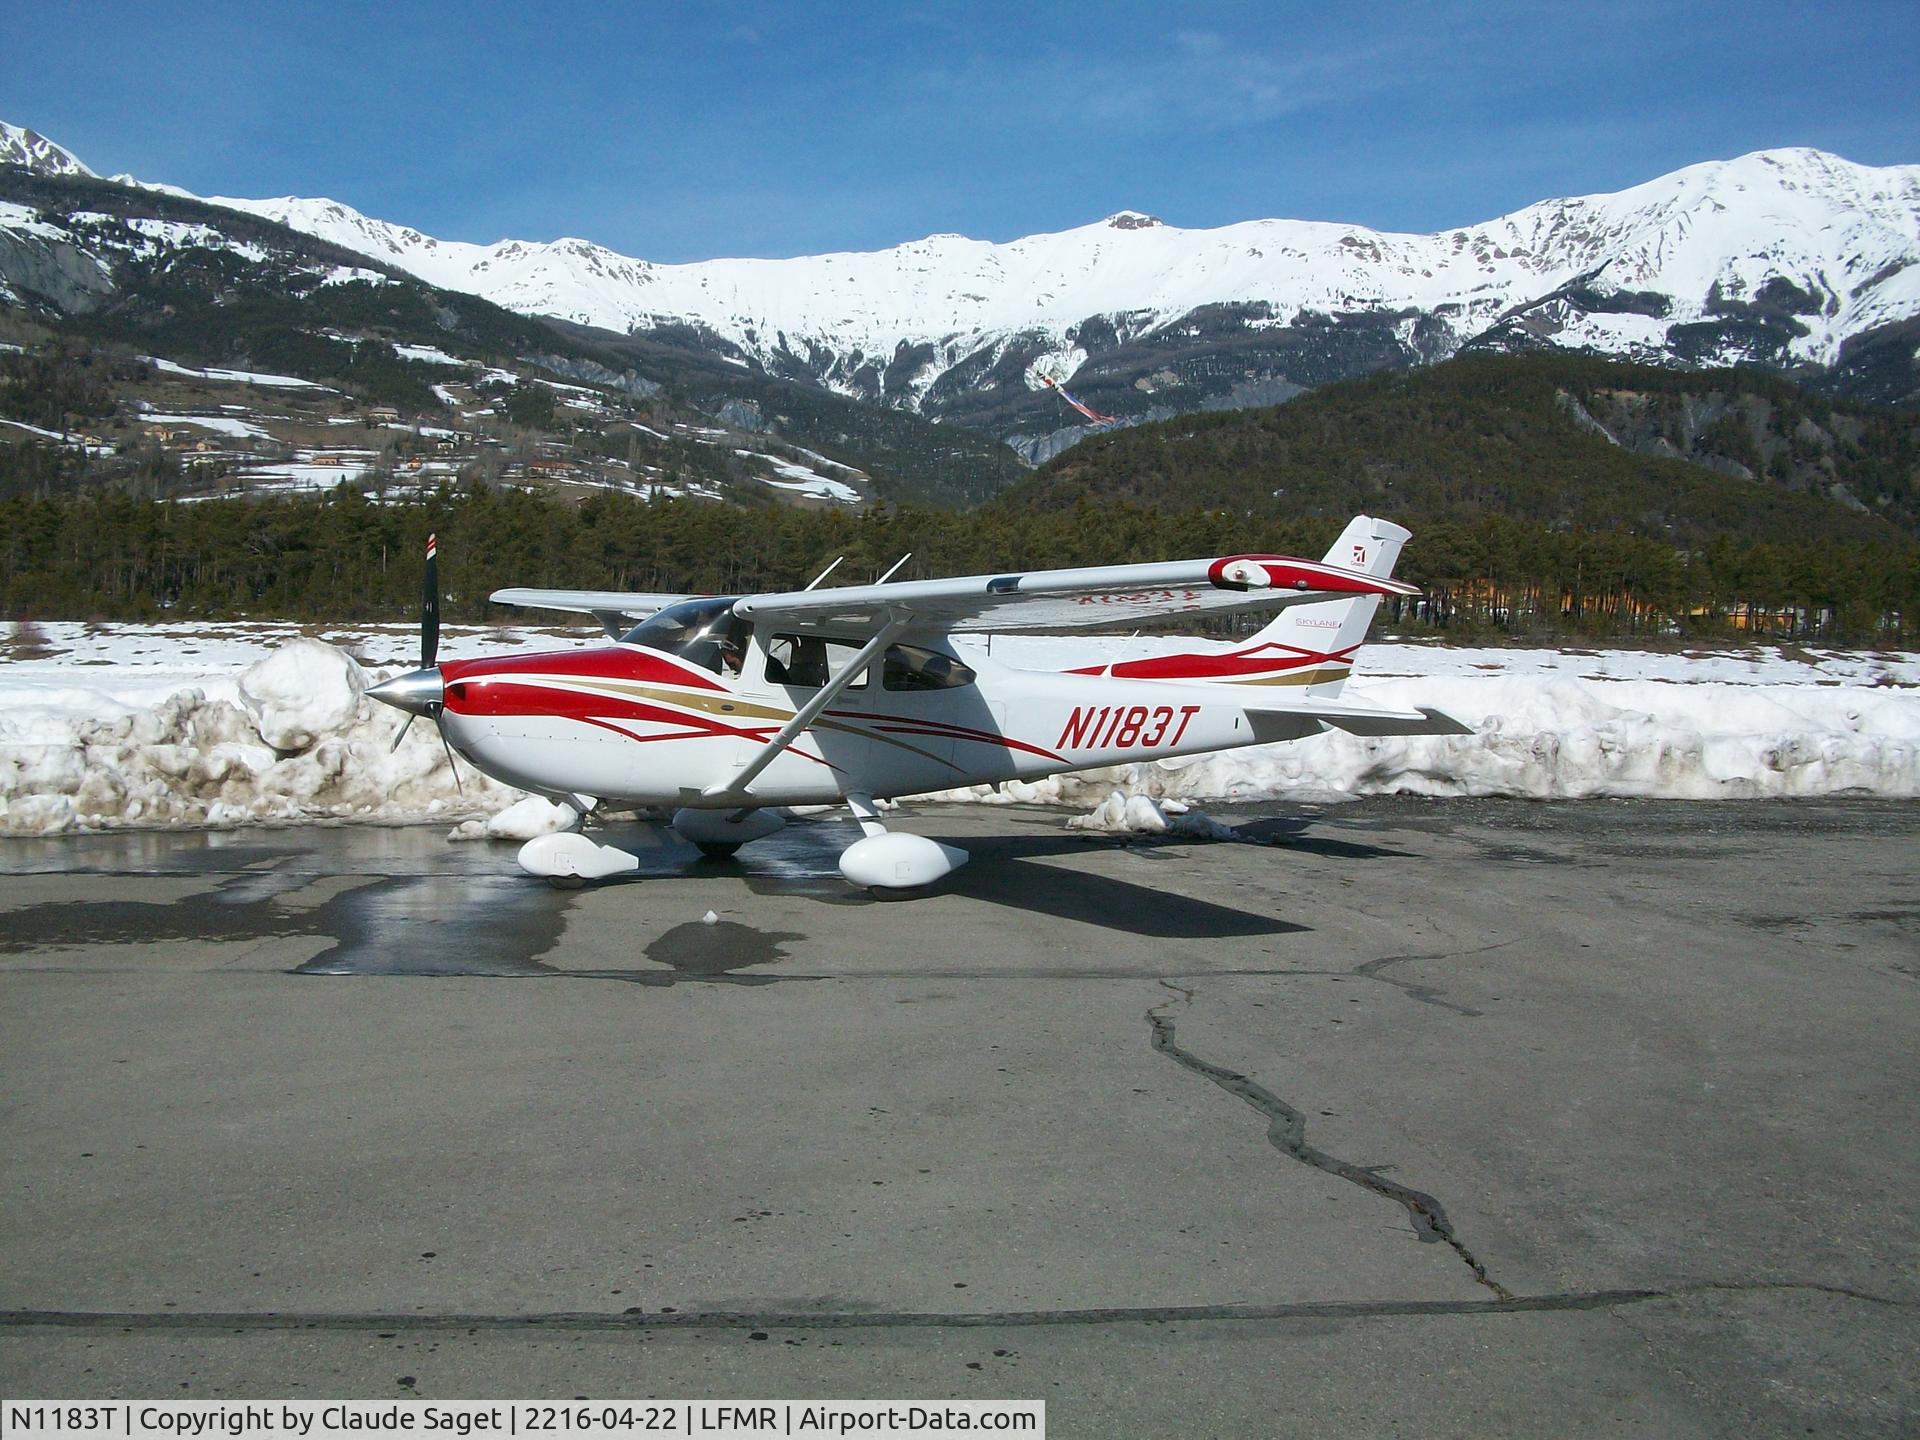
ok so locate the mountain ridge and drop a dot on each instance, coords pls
(1777, 257)
(1793, 259)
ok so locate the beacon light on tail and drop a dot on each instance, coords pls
(723, 708)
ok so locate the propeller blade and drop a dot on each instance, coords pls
(404, 725)
(451, 764)
(430, 607)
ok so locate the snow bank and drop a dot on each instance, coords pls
(110, 726)
(297, 740)
(302, 691)
(1549, 738)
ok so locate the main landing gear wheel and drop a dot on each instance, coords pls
(894, 866)
(718, 834)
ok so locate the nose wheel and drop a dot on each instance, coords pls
(568, 860)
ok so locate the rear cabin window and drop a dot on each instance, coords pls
(810, 661)
(913, 667)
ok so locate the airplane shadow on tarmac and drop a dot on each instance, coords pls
(1003, 870)
(441, 913)
(1013, 872)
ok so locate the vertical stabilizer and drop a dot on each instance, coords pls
(1306, 646)
(1322, 638)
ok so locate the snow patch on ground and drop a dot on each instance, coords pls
(523, 820)
(190, 725)
(355, 274)
(218, 424)
(427, 355)
(239, 377)
(803, 480)
(1122, 813)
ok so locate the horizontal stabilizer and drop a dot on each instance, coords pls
(1426, 721)
(1294, 722)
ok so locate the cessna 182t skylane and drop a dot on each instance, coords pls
(729, 706)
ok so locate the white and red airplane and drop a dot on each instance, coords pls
(728, 707)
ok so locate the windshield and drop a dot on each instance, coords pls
(704, 632)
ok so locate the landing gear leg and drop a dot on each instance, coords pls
(885, 861)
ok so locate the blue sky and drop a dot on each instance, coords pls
(681, 132)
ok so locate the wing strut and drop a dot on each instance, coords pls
(735, 787)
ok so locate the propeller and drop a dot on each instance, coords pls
(422, 691)
(430, 606)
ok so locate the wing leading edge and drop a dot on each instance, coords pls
(616, 610)
(1091, 598)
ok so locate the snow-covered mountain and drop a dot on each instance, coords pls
(1778, 257)
(1827, 226)
(1781, 258)
(33, 151)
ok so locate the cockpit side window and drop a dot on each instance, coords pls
(914, 667)
(810, 661)
(703, 632)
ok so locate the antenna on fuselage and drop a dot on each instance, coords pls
(893, 567)
(826, 572)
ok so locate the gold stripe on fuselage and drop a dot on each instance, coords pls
(712, 704)
(701, 700)
(1298, 677)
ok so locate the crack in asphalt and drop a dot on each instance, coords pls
(1426, 994)
(1287, 1133)
(636, 1319)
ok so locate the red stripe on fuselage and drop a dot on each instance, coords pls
(603, 662)
(1209, 667)
(512, 697)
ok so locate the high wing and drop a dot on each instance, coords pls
(1096, 597)
(616, 610)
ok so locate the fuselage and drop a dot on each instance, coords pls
(629, 722)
